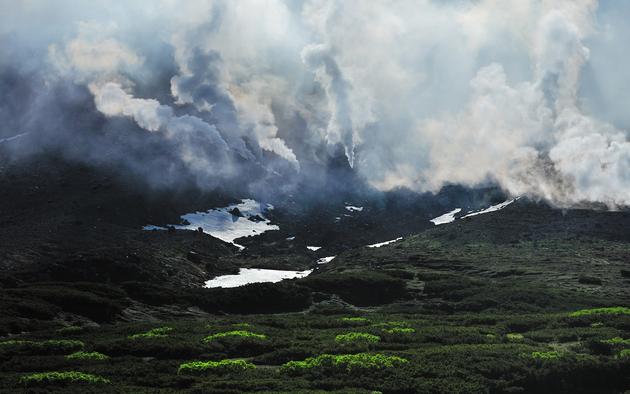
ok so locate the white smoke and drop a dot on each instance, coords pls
(419, 93)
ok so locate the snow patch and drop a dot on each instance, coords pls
(378, 245)
(352, 208)
(15, 137)
(447, 217)
(492, 208)
(220, 223)
(314, 248)
(325, 260)
(246, 276)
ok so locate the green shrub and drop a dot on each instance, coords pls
(616, 341)
(615, 310)
(344, 362)
(514, 337)
(545, 355)
(399, 330)
(235, 333)
(223, 366)
(12, 343)
(357, 337)
(625, 353)
(70, 330)
(87, 356)
(392, 324)
(355, 321)
(160, 332)
(52, 346)
(64, 377)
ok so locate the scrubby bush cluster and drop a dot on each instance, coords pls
(160, 332)
(51, 346)
(344, 362)
(223, 366)
(243, 334)
(545, 355)
(615, 310)
(357, 337)
(64, 377)
(87, 356)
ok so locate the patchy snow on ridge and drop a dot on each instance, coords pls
(378, 245)
(352, 208)
(246, 276)
(222, 224)
(492, 208)
(446, 218)
(325, 260)
(15, 137)
(314, 248)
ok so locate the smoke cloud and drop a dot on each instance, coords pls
(414, 93)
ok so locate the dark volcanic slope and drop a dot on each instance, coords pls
(62, 221)
(525, 256)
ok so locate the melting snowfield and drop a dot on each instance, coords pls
(446, 218)
(254, 275)
(492, 208)
(325, 260)
(15, 137)
(224, 224)
(378, 245)
(450, 216)
(314, 248)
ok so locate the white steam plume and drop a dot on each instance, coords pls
(419, 93)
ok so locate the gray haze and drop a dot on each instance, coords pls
(415, 93)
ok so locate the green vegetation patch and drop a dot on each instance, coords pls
(52, 346)
(614, 310)
(159, 332)
(616, 341)
(223, 366)
(87, 356)
(356, 320)
(514, 337)
(344, 362)
(625, 353)
(357, 337)
(399, 330)
(545, 355)
(64, 377)
(235, 333)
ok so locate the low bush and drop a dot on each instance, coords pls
(514, 337)
(52, 346)
(236, 333)
(615, 310)
(357, 337)
(355, 321)
(399, 330)
(87, 356)
(160, 332)
(344, 362)
(616, 341)
(223, 366)
(545, 355)
(64, 377)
